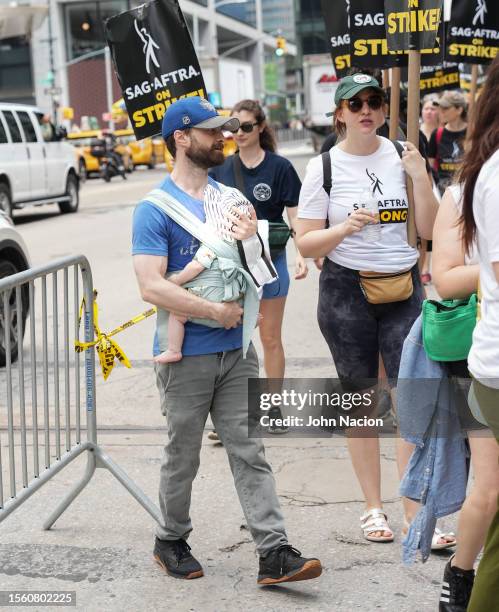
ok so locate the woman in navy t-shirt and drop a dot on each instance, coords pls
(272, 185)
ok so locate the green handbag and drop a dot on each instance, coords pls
(279, 234)
(448, 328)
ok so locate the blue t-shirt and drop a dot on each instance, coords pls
(154, 233)
(271, 186)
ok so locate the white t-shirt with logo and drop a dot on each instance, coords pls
(383, 174)
(483, 360)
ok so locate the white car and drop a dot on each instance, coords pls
(13, 258)
(34, 170)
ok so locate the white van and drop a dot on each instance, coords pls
(34, 170)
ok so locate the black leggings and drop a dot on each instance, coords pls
(357, 331)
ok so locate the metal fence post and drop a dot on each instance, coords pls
(47, 385)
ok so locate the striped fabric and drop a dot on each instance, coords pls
(216, 205)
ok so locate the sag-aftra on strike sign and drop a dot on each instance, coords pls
(358, 33)
(413, 24)
(155, 62)
(473, 31)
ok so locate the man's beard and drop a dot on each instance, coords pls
(205, 158)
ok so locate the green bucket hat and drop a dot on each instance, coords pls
(349, 86)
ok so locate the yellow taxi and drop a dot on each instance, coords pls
(158, 145)
(230, 146)
(87, 163)
(143, 151)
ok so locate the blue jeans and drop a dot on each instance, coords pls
(280, 287)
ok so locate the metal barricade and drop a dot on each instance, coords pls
(41, 429)
(292, 135)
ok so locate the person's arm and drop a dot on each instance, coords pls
(191, 270)
(301, 268)
(312, 238)
(425, 202)
(155, 289)
(452, 278)
(495, 267)
(316, 241)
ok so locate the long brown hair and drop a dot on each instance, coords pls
(482, 144)
(267, 138)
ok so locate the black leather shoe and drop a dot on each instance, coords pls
(285, 564)
(456, 588)
(175, 558)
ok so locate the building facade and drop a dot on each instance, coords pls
(69, 70)
(311, 35)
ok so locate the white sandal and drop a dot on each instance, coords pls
(375, 520)
(440, 535)
(437, 535)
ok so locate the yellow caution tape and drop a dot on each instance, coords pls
(107, 349)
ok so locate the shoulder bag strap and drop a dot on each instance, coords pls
(412, 234)
(238, 172)
(440, 131)
(327, 173)
(438, 140)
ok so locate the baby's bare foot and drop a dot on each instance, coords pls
(168, 357)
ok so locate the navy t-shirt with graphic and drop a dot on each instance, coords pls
(448, 153)
(270, 186)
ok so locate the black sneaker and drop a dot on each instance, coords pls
(276, 414)
(175, 558)
(456, 589)
(285, 564)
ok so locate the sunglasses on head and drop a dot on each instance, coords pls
(247, 126)
(374, 102)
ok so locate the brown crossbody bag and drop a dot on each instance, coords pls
(383, 287)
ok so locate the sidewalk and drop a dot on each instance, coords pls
(296, 148)
(102, 546)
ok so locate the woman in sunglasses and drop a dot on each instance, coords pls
(370, 292)
(272, 185)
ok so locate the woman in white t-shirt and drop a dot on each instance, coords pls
(480, 177)
(456, 276)
(356, 329)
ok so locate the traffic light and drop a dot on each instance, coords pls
(280, 46)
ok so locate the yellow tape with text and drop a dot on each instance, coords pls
(107, 349)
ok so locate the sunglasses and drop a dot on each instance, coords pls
(355, 104)
(247, 126)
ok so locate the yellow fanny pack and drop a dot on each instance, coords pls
(383, 287)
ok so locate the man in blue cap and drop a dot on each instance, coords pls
(212, 376)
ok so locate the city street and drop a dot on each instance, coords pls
(102, 546)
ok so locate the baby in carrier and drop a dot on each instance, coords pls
(216, 206)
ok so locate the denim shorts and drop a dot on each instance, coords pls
(280, 287)
(357, 331)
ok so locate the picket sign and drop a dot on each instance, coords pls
(155, 62)
(394, 103)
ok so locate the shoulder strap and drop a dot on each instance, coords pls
(439, 134)
(327, 172)
(238, 172)
(412, 234)
(181, 215)
(438, 139)
(399, 147)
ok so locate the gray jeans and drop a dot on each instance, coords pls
(189, 390)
